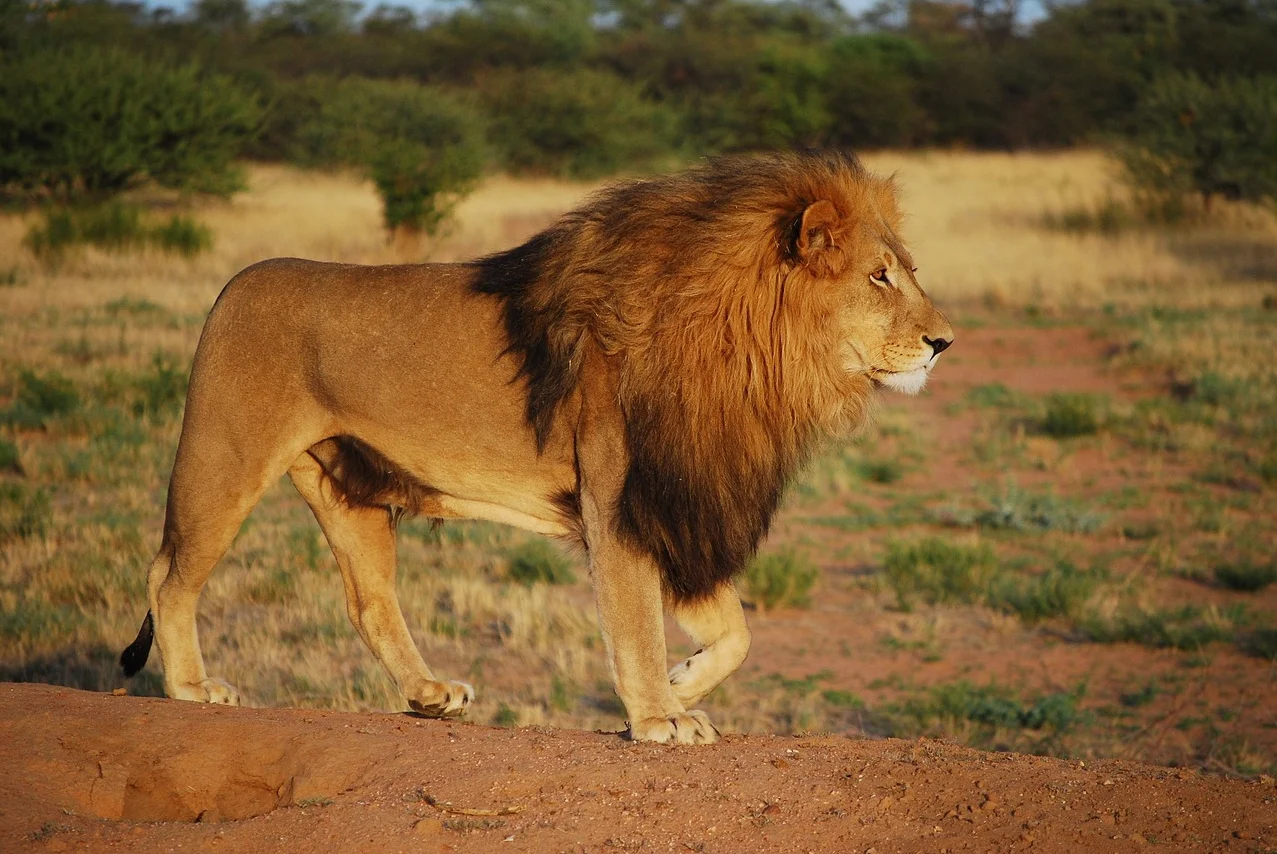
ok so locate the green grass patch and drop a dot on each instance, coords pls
(10, 457)
(1246, 576)
(1061, 591)
(114, 227)
(41, 399)
(988, 716)
(1261, 642)
(938, 572)
(778, 579)
(1188, 627)
(1070, 415)
(994, 396)
(536, 561)
(24, 512)
(1017, 510)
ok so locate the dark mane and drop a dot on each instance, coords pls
(729, 361)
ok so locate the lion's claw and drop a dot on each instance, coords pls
(692, 727)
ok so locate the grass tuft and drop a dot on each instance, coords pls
(114, 227)
(1246, 577)
(1070, 415)
(1061, 591)
(41, 399)
(1188, 627)
(778, 579)
(939, 572)
(988, 716)
(1016, 510)
(538, 561)
(24, 512)
(10, 457)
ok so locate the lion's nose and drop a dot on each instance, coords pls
(938, 345)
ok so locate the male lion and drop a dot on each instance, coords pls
(640, 378)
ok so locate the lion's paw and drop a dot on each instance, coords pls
(441, 699)
(687, 728)
(685, 682)
(215, 691)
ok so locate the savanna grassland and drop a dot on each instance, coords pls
(1065, 545)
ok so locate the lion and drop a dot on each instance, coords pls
(641, 379)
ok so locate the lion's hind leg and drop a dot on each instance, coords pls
(363, 540)
(717, 625)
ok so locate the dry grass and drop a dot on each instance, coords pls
(273, 619)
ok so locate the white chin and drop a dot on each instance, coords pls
(906, 382)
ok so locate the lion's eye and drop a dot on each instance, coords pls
(913, 269)
(879, 277)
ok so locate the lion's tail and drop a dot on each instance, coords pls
(134, 656)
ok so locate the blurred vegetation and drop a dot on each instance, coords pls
(590, 86)
(87, 121)
(1213, 137)
(93, 98)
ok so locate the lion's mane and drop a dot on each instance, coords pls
(727, 341)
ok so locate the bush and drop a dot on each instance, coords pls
(539, 561)
(419, 186)
(778, 579)
(1213, 138)
(579, 124)
(422, 147)
(939, 572)
(89, 122)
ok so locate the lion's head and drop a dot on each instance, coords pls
(890, 331)
(749, 306)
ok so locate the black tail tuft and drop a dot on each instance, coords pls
(134, 657)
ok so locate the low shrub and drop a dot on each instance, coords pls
(778, 579)
(938, 571)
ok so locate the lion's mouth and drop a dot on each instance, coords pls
(905, 382)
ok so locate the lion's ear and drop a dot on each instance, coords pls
(814, 242)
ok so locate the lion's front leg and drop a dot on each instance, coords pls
(717, 625)
(627, 589)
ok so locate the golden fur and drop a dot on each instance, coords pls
(642, 377)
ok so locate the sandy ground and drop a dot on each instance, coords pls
(96, 772)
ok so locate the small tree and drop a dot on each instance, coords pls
(85, 123)
(1214, 139)
(421, 147)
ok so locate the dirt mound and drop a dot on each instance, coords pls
(90, 771)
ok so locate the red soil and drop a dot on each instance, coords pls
(94, 772)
